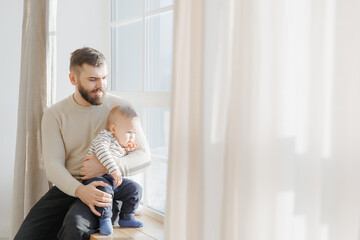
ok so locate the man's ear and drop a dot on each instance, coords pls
(72, 78)
(112, 128)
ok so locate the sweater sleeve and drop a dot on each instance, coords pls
(101, 146)
(138, 160)
(54, 155)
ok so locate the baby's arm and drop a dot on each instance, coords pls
(101, 147)
(117, 177)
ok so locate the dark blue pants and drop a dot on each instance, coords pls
(60, 216)
(124, 193)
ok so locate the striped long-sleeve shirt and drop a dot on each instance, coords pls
(107, 149)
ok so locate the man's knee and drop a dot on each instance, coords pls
(79, 223)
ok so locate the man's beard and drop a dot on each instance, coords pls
(97, 100)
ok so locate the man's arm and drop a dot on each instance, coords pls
(54, 155)
(91, 167)
(138, 160)
(130, 164)
(54, 158)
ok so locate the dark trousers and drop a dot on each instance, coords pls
(120, 193)
(60, 216)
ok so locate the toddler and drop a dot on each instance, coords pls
(113, 143)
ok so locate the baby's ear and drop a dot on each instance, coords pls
(112, 128)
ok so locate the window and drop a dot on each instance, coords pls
(141, 67)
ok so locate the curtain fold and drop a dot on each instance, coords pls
(187, 101)
(35, 93)
(264, 126)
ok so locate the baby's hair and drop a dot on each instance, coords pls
(120, 111)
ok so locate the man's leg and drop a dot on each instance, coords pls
(129, 193)
(80, 222)
(45, 218)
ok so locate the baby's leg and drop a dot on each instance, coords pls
(130, 193)
(106, 227)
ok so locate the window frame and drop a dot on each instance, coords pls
(141, 99)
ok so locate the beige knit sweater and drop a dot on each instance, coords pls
(67, 132)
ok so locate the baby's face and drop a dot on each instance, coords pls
(125, 131)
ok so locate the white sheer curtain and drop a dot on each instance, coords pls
(265, 127)
(37, 77)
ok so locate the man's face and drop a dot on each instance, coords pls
(92, 83)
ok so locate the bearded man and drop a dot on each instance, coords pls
(67, 210)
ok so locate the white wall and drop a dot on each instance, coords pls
(79, 23)
(10, 50)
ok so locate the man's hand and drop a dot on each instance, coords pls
(92, 196)
(91, 168)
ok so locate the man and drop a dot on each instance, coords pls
(67, 210)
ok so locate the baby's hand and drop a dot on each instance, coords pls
(117, 177)
(131, 146)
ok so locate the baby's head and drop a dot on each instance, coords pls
(122, 123)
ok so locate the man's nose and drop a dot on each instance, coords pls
(99, 83)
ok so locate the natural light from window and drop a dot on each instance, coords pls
(141, 68)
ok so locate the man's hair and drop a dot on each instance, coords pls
(85, 55)
(120, 111)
